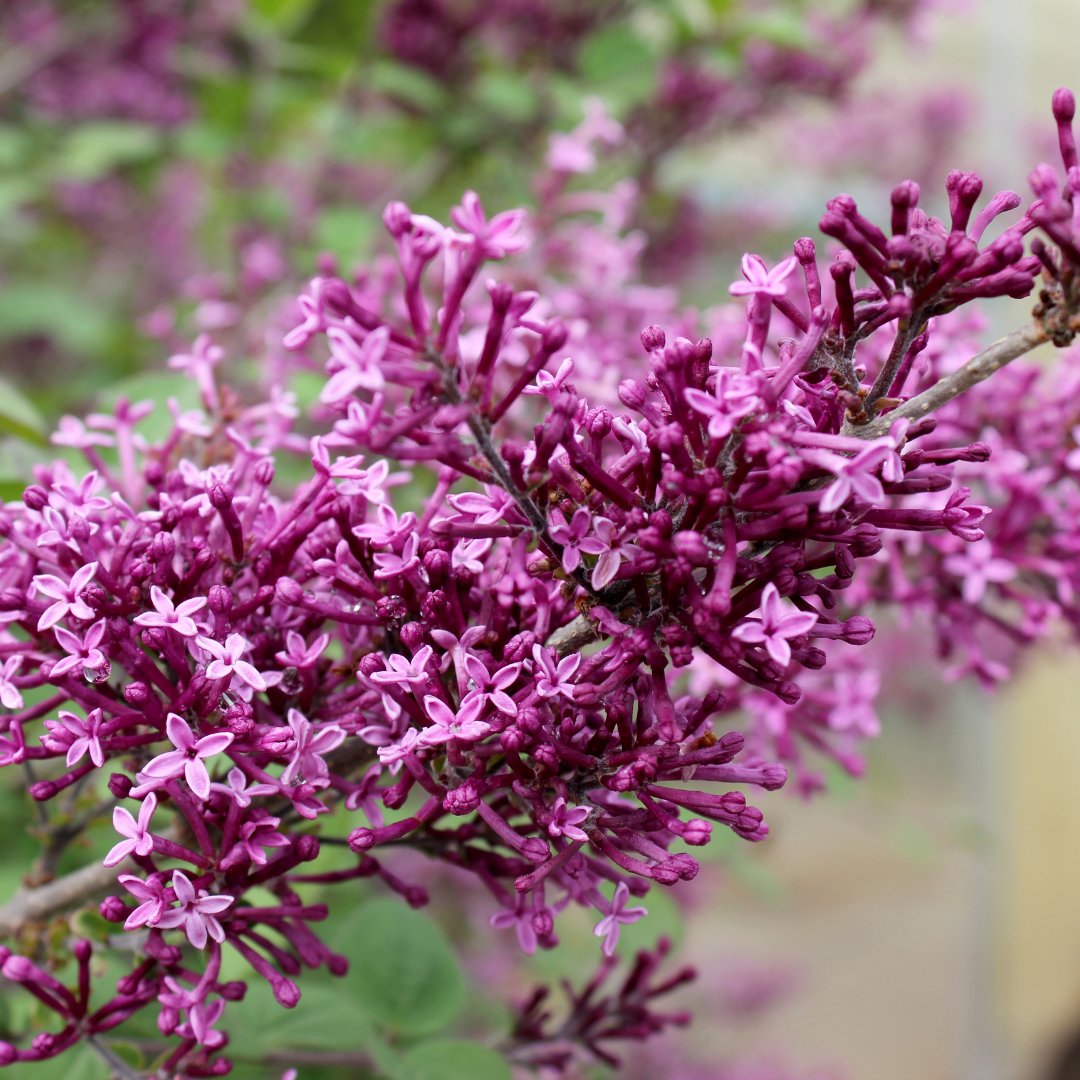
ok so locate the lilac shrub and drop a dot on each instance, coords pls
(494, 675)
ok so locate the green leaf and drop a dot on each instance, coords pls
(402, 969)
(325, 1018)
(407, 84)
(95, 149)
(19, 417)
(39, 307)
(346, 231)
(453, 1059)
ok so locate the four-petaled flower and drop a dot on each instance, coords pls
(390, 565)
(617, 916)
(736, 396)
(854, 708)
(760, 280)
(978, 566)
(196, 913)
(82, 653)
(494, 239)
(493, 685)
(355, 365)
(363, 796)
(552, 678)
(136, 833)
(306, 764)
(171, 617)
(227, 662)
(855, 475)
(68, 595)
(388, 528)
(403, 671)
(257, 834)
(446, 724)
(76, 735)
(299, 655)
(565, 820)
(467, 555)
(520, 917)
(188, 759)
(778, 624)
(394, 754)
(549, 385)
(152, 894)
(240, 791)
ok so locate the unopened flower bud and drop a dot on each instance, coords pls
(264, 472)
(653, 337)
(120, 785)
(289, 591)
(220, 599)
(362, 839)
(35, 497)
(307, 847)
(632, 394)
(114, 909)
(397, 219)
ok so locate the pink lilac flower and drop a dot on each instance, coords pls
(403, 670)
(298, 654)
(227, 663)
(553, 678)
(394, 754)
(188, 759)
(446, 724)
(82, 653)
(854, 709)
(777, 624)
(136, 833)
(760, 281)
(616, 916)
(239, 790)
(151, 893)
(978, 566)
(171, 617)
(306, 763)
(68, 595)
(77, 736)
(565, 820)
(196, 913)
(260, 833)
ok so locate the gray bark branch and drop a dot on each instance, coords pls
(973, 372)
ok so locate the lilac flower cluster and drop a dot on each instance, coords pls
(507, 651)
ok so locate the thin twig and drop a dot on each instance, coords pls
(971, 374)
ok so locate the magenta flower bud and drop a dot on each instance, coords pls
(391, 607)
(35, 497)
(221, 496)
(120, 785)
(162, 547)
(416, 896)
(412, 636)
(501, 293)
(114, 909)
(233, 991)
(1064, 105)
(8, 1053)
(542, 922)
(337, 965)
(632, 394)
(361, 840)
(83, 950)
(137, 695)
(554, 336)
(220, 599)
(858, 630)
(535, 850)
(154, 472)
(519, 647)
(397, 219)
(264, 472)
(371, 663)
(289, 591)
(168, 1020)
(286, 992)
(462, 800)
(652, 338)
(43, 790)
(697, 832)
(306, 847)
